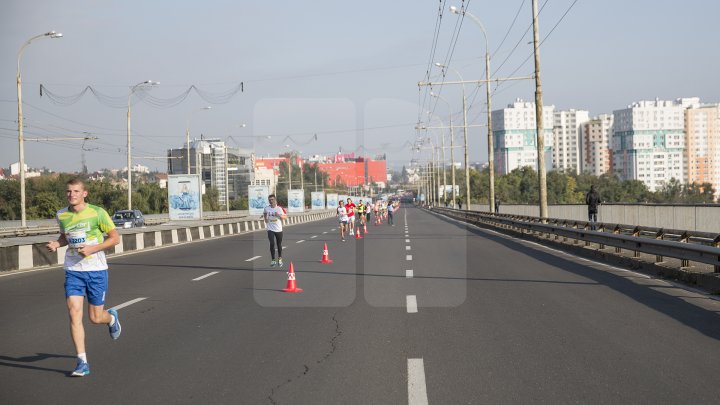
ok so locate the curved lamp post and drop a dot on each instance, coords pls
(21, 139)
(491, 152)
(129, 150)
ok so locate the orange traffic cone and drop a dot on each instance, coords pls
(291, 283)
(325, 257)
(365, 228)
(357, 233)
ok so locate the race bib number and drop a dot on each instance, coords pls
(76, 239)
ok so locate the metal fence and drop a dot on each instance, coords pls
(687, 246)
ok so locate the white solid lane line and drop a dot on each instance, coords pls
(417, 390)
(409, 274)
(127, 304)
(408, 257)
(206, 276)
(300, 241)
(253, 258)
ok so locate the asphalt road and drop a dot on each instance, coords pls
(435, 313)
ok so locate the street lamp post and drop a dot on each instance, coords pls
(452, 149)
(491, 152)
(21, 139)
(187, 137)
(129, 150)
(465, 136)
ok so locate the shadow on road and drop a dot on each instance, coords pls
(32, 359)
(702, 320)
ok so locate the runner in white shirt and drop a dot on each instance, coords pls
(274, 215)
(342, 219)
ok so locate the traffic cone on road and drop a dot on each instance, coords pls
(365, 228)
(325, 257)
(357, 233)
(291, 283)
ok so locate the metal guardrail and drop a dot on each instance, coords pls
(701, 247)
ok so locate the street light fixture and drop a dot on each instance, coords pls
(21, 139)
(491, 152)
(129, 150)
(187, 138)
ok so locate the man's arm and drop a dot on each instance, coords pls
(54, 245)
(283, 215)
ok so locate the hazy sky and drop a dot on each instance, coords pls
(346, 71)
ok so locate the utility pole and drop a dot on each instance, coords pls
(467, 166)
(539, 119)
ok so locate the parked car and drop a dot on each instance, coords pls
(128, 218)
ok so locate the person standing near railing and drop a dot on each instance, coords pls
(592, 199)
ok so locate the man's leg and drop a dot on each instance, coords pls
(271, 238)
(75, 308)
(279, 237)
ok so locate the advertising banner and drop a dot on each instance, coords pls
(318, 200)
(258, 199)
(296, 200)
(184, 196)
(332, 201)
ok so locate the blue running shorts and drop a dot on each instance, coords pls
(90, 284)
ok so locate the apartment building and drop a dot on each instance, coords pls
(648, 142)
(566, 139)
(515, 137)
(595, 150)
(702, 148)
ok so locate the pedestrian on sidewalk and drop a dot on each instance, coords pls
(82, 229)
(593, 201)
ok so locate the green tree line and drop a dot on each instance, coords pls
(520, 186)
(46, 194)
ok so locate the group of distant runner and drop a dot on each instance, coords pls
(346, 214)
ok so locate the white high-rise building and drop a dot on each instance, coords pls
(595, 145)
(649, 141)
(514, 130)
(227, 169)
(566, 137)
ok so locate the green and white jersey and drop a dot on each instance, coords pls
(84, 228)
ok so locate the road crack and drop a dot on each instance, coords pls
(306, 371)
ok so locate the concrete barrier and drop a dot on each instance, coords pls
(700, 218)
(22, 257)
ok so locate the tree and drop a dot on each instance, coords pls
(210, 199)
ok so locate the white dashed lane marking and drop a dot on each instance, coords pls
(408, 257)
(253, 258)
(412, 307)
(407, 248)
(300, 241)
(417, 390)
(127, 304)
(409, 274)
(206, 276)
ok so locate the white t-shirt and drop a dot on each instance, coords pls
(274, 218)
(342, 214)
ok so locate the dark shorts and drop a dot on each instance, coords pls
(90, 284)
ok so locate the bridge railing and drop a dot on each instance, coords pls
(687, 246)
